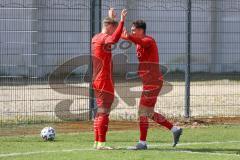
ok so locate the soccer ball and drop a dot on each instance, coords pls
(48, 134)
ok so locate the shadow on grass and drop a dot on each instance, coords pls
(203, 150)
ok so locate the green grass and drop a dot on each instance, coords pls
(207, 143)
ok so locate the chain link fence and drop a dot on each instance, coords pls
(45, 63)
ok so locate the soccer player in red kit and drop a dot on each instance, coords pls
(152, 79)
(102, 82)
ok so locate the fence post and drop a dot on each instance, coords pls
(188, 66)
(95, 27)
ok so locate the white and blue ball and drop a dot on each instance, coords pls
(48, 134)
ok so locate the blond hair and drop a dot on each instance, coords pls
(109, 20)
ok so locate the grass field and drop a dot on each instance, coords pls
(215, 142)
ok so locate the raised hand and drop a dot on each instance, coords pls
(111, 13)
(123, 15)
(125, 34)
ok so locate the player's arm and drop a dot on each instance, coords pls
(144, 42)
(125, 34)
(114, 38)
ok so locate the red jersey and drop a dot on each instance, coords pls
(102, 57)
(147, 53)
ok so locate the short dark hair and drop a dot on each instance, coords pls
(140, 24)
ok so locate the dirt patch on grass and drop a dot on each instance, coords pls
(87, 126)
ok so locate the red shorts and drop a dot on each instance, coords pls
(150, 94)
(104, 93)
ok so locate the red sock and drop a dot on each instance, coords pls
(143, 122)
(95, 127)
(160, 119)
(103, 120)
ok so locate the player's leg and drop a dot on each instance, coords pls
(95, 127)
(104, 102)
(103, 121)
(143, 128)
(143, 113)
(160, 119)
(149, 100)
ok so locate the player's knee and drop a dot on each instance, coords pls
(103, 111)
(146, 111)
